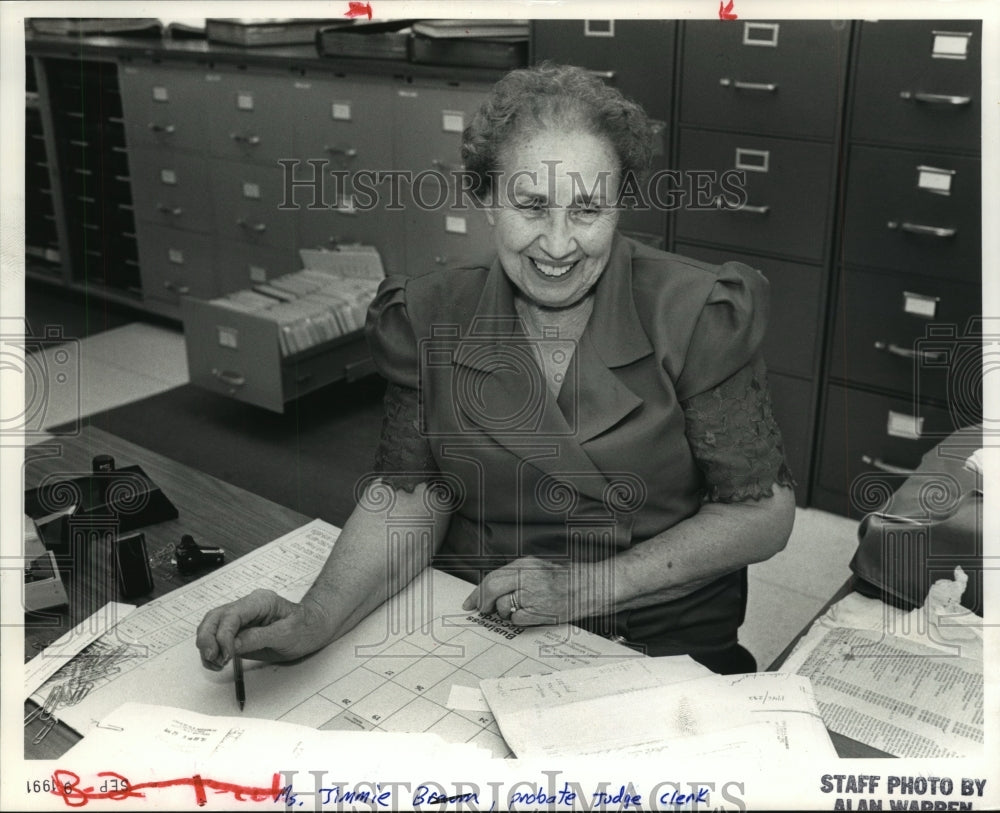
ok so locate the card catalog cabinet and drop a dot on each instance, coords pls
(44, 228)
(905, 350)
(757, 136)
(88, 134)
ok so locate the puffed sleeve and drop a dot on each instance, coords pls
(723, 391)
(403, 458)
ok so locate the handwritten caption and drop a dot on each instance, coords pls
(78, 791)
(903, 792)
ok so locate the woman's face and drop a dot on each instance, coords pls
(554, 218)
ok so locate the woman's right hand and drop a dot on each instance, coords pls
(261, 626)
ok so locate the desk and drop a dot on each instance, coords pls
(213, 512)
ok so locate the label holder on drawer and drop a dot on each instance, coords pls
(951, 44)
(935, 179)
(753, 160)
(901, 425)
(228, 337)
(762, 34)
(920, 304)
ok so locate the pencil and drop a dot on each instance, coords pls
(241, 691)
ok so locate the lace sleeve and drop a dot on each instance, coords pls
(403, 458)
(735, 439)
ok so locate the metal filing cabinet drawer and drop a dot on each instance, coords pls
(784, 78)
(866, 433)
(169, 188)
(174, 263)
(247, 197)
(788, 186)
(646, 46)
(344, 122)
(918, 83)
(447, 239)
(237, 354)
(253, 115)
(893, 332)
(790, 345)
(164, 107)
(914, 211)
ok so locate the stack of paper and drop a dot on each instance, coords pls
(647, 706)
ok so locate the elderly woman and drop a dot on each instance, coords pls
(598, 407)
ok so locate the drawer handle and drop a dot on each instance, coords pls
(881, 465)
(169, 210)
(753, 210)
(177, 289)
(607, 75)
(258, 228)
(230, 378)
(161, 128)
(906, 353)
(917, 228)
(347, 152)
(934, 98)
(736, 84)
(250, 140)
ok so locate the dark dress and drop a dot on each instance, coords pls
(664, 406)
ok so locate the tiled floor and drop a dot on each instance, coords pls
(138, 360)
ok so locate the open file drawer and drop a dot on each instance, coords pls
(238, 354)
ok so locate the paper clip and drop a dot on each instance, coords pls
(49, 725)
(47, 710)
(31, 715)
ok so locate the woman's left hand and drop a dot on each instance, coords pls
(531, 591)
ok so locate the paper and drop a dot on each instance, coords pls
(393, 672)
(171, 732)
(908, 683)
(56, 655)
(465, 697)
(657, 706)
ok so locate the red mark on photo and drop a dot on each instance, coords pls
(117, 787)
(356, 9)
(725, 12)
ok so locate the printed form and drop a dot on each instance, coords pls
(394, 672)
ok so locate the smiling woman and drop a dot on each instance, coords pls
(582, 429)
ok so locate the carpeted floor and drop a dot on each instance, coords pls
(308, 458)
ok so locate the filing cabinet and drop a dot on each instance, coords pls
(785, 204)
(880, 436)
(757, 141)
(782, 77)
(168, 188)
(164, 106)
(175, 263)
(906, 342)
(914, 211)
(918, 84)
(444, 226)
(252, 114)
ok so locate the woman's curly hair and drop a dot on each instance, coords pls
(550, 95)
